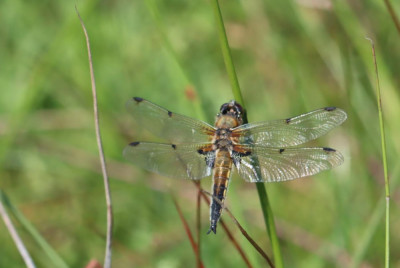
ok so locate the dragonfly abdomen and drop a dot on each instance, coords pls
(221, 176)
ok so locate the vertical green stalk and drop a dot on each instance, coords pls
(230, 68)
(383, 143)
(262, 193)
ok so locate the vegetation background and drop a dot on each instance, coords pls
(291, 57)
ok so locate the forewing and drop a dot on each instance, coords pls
(186, 161)
(276, 165)
(173, 127)
(291, 131)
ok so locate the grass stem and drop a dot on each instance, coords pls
(384, 159)
(49, 251)
(14, 234)
(262, 193)
(107, 258)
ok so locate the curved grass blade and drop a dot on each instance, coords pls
(13, 232)
(50, 252)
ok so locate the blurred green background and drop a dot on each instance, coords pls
(291, 57)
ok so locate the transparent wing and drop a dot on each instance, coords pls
(175, 161)
(284, 164)
(173, 127)
(291, 131)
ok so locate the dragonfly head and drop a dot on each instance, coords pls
(233, 109)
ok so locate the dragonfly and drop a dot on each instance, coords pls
(261, 152)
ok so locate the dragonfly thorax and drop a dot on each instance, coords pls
(223, 133)
(222, 139)
(223, 144)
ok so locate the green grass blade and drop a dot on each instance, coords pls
(384, 159)
(51, 253)
(269, 222)
(262, 193)
(373, 223)
(14, 234)
(226, 52)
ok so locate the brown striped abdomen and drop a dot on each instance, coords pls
(221, 176)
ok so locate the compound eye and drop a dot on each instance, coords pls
(239, 108)
(224, 108)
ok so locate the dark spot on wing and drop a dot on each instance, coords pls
(136, 143)
(173, 146)
(327, 149)
(169, 114)
(200, 151)
(288, 120)
(137, 99)
(329, 109)
(281, 150)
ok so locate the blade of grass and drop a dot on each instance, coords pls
(262, 193)
(13, 232)
(107, 257)
(51, 253)
(393, 15)
(385, 171)
(373, 223)
(226, 52)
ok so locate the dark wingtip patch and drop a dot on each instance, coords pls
(136, 143)
(330, 109)
(288, 120)
(281, 150)
(169, 113)
(137, 99)
(327, 149)
(173, 146)
(200, 151)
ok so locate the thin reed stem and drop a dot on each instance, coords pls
(262, 193)
(49, 251)
(107, 257)
(393, 15)
(195, 246)
(384, 159)
(14, 234)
